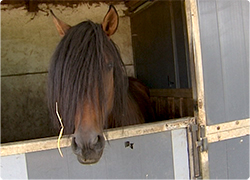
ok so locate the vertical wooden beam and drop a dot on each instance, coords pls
(195, 50)
(174, 44)
(181, 107)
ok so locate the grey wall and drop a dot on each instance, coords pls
(117, 161)
(154, 156)
(229, 159)
(224, 30)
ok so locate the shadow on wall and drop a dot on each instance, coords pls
(24, 113)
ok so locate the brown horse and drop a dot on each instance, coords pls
(88, 80)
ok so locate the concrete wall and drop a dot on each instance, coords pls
(27, 43)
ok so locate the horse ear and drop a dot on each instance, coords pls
(110, 21)
(61, 27)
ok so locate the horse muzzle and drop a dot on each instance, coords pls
(88, 153)
(89, 160)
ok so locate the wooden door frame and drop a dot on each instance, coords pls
(192, 19)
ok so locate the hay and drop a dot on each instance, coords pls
(61, 131)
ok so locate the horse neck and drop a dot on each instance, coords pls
(135, 112)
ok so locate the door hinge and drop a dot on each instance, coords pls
(199, 144)
(200, 139)
(202, 142)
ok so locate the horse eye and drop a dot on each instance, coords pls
(110, 66)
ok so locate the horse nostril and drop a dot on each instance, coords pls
(73, 144)
(98, 142)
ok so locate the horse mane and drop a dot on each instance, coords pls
(139, 108)
(76, 70)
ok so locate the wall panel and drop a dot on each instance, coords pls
(225, 59)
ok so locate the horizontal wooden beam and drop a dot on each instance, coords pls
(228, 130)
(60, 1)
(32, 5)
(181, 93)
(111, 134)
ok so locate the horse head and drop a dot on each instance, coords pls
(83, 78)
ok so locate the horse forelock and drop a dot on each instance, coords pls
(76, 71)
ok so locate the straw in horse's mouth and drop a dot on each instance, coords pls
(61, 131)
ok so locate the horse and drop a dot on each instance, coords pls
(88, 81)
